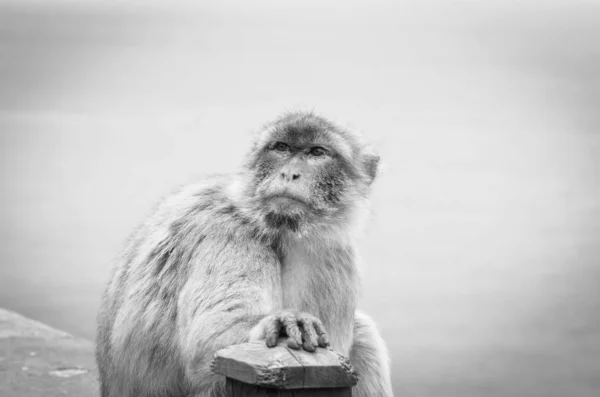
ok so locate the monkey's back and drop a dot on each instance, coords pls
(183, 261)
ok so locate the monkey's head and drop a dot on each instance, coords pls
(303, 169)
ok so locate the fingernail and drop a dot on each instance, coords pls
(308, 347)
(292, 343)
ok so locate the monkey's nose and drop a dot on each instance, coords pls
(290, 177)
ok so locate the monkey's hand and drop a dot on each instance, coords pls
(302, 329)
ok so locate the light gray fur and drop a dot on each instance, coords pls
(203, 272)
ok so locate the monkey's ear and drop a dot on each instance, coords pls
(371, 165)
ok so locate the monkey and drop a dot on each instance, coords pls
(265, 253)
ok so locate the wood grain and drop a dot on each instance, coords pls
(236, 388)
(282, 368)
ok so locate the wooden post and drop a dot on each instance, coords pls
(253, 369)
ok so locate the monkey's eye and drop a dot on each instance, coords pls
(281, 147)
(317, 151)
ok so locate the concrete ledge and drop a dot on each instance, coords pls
(38, 360)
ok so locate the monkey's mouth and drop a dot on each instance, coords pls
(283, 201)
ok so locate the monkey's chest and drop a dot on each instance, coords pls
(312, 285)
(300, 290)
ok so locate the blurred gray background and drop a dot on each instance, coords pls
(482, 258)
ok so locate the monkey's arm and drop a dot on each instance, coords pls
(231, 288)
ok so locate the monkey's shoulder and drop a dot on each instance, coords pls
(207, 206)
(189, 227)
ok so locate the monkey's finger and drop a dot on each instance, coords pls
(309, 336)
(323, 338)
(272, 328)
(323, 341)
(290, 323)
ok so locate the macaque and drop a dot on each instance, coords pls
(262, 254)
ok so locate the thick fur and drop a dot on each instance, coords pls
(370, 359)
(218, 258)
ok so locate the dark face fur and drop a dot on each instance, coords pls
(307, 169)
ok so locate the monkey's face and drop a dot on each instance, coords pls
(306, 170)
